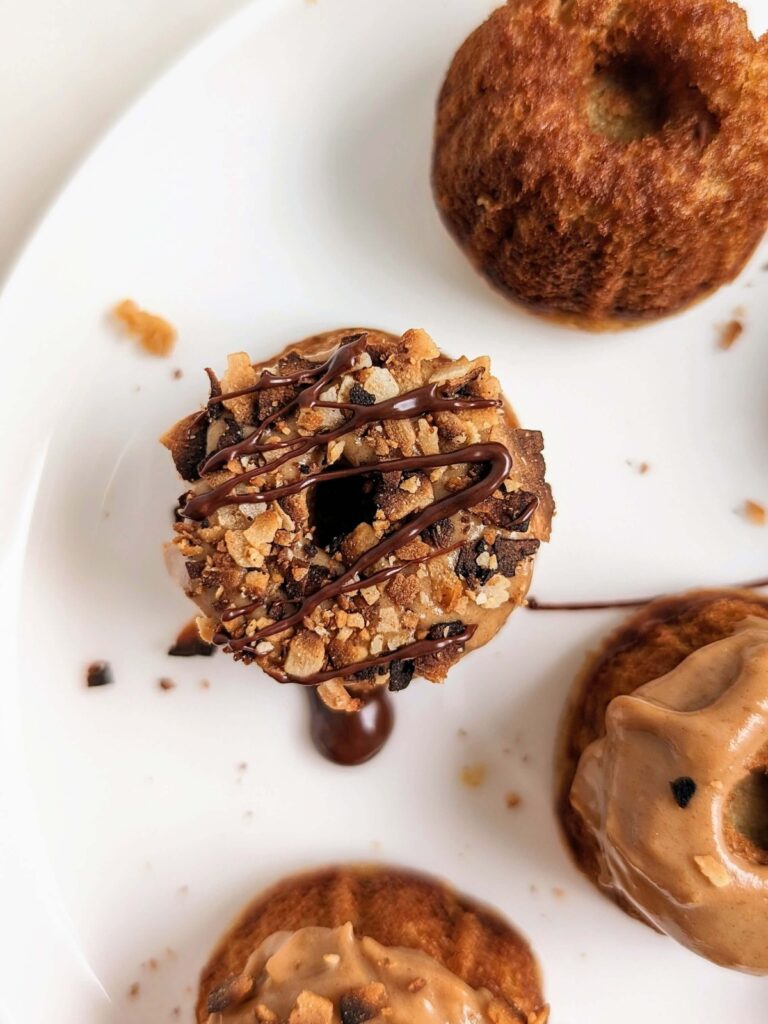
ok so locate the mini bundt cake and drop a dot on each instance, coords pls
(352, 944)
(663, 772)
(360, 509)
(606, 161)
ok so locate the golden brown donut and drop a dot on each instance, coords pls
(397, 908)
(606, 161)
(646, 647)
(434, 594)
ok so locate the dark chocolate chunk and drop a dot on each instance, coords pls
(683, 790)
(99, 673)
(366, 673)
(316, 576)
(219, 999)
(194, 569)
(445, 630)
(400, 675)
(270, 400)
(359, 396)
(190, 451)
(354, 1009)
(438, 534)
(506, 512)
(466, 564)
(510, 553)
(231, 434)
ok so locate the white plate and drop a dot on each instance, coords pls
(276, 183)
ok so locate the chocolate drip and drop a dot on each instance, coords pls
(351, 739)
(493, 458)
(189, 643)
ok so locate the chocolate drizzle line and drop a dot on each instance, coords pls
(597, 606)
(493, 458)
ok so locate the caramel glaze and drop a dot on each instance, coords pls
(351, 739)
(493, 458)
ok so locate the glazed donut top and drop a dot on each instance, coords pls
(329, 975)
(676, 796)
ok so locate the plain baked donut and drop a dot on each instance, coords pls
(606, 160)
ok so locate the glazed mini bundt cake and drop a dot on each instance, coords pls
(352, 944)
(359, 510)
(663, 772)
(606, 160)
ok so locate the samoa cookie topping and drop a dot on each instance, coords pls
(349, 517)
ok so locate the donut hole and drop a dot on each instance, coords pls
(626, 100)
(631, 97)
(339, 506)
(747, 817)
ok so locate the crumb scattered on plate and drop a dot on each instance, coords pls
(558, 893)
(730, 334)
(641, 467)
(474, 775)
(134, 990)
(166, 684)
(177, 374)
(155, 335)
(99, 673)
(513, 800)
(755, 513)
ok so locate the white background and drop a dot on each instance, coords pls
(67, 68)
(254, 197)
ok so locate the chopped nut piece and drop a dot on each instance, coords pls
(311, 1009)
(713, 871)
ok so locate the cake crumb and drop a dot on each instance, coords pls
(730, 334)
(513, 800)
(462, 734)
(177, 374)
(474, 775)
(155, 335)
(713, 871)
(558, 893)
(166, 684)
(755, 513)
(205, 684)
(641, 467)
(99, 673)
(134, 990)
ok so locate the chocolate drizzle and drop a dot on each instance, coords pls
(351, 739)
(493, 462)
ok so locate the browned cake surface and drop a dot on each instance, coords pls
(648, 645)
(276, 560)
(603, 159)
(396, 908)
